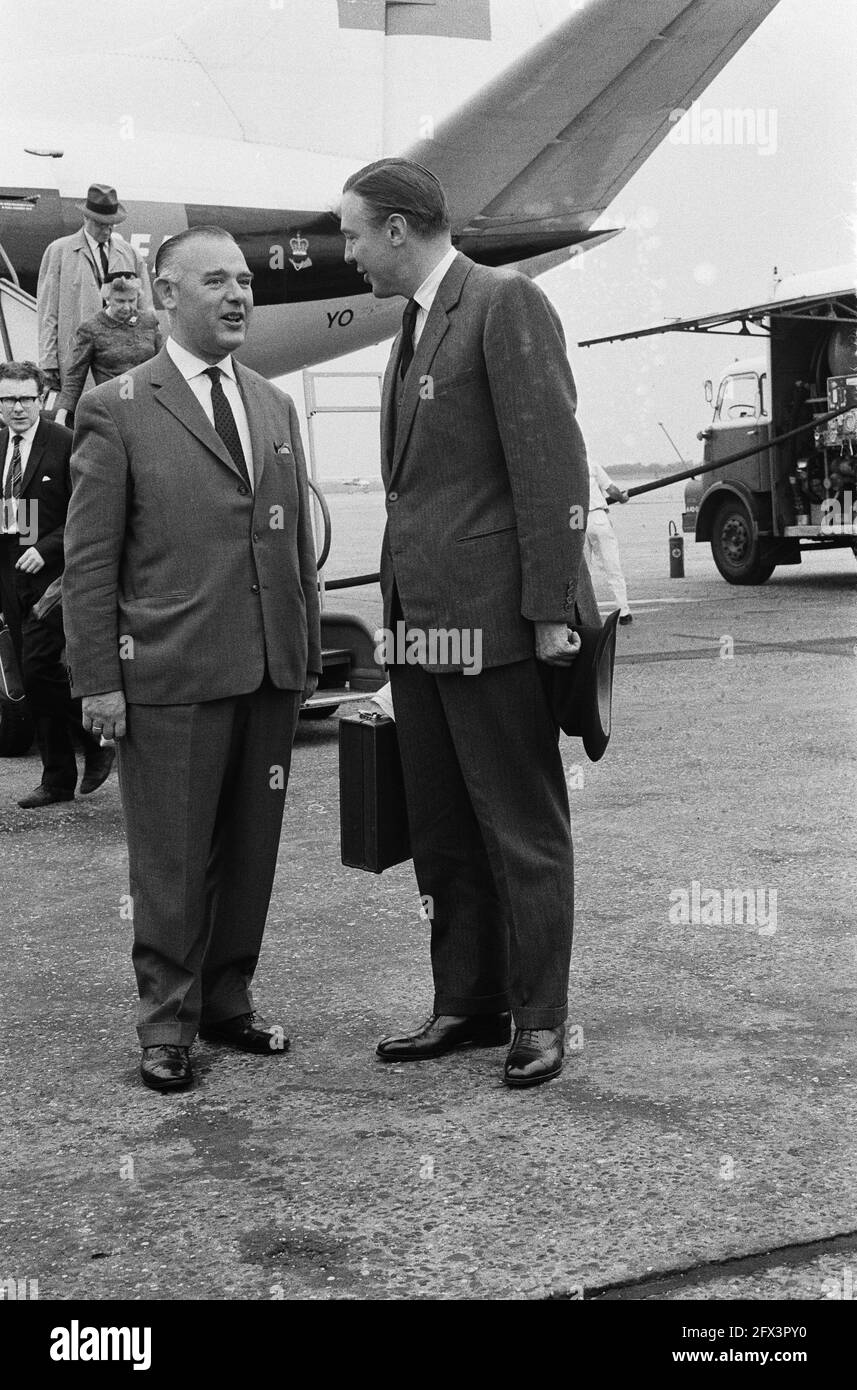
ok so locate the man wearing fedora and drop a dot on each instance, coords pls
(487, 488)
(73, 270)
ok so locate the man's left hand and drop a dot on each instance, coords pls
(310, 688)
(30, 562)
(555, 644)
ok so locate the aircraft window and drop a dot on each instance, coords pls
(738, 398)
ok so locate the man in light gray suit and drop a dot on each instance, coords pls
(72, 276)
(487, 487)
(192, 625)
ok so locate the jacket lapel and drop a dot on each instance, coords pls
(37, 448)
(436, 325)
(254, 404)
(175, 395)
(388, 404)
(84, 247)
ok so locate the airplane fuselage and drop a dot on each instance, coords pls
(311, 305)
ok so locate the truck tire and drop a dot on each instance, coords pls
(737, 550)
(16, 731)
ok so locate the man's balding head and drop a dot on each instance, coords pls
(205, 285)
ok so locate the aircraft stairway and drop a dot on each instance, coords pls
(19, 334)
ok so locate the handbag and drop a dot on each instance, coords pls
(11, 685)
(373, 816)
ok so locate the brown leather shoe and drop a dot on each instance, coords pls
(96, 768)
(249, 1033)
(166, 1067)
(535, 1056)
(442, 1033)
(44, 796)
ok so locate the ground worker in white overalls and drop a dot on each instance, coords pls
(601, 538)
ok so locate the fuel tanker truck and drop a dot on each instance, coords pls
(779, 470)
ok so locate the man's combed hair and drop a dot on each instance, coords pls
(401, 185)
(167, 250)
(23, 371)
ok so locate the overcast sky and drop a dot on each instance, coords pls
(706, 224)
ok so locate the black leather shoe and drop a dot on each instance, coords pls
(535, 1055)
(625, 619)
(44, 796)
(249, 1032)
(166, 1067)
(442, 1033)
(96, 768)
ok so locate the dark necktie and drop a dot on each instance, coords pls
(409, 319)
(224, 422)
(12, 487)
(105, 264)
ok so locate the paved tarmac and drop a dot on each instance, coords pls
(699, 1144)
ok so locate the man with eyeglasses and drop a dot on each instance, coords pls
(36, 488)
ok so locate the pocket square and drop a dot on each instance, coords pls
(282, 448)
(46, 478)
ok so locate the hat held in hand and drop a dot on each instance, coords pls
(581, 694)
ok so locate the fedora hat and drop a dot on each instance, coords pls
(581, 694)
(102, 204)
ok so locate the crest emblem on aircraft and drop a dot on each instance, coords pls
(300, 247)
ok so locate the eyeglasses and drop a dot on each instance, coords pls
(18, 400)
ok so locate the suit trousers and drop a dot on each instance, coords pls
(39, 647)
(203, 790)
(491, 838)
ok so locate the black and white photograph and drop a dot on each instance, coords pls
(428, 658)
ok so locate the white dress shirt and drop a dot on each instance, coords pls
(11, 529)
(428, 289)
(93, 246)
(193, 370)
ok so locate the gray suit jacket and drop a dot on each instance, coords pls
(180, 584)
(69, 292)
(485, 469)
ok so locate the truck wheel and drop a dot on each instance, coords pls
(736, 549)
(16, 731)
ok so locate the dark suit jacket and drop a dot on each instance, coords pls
(45, 490)
(166, 545)
(487, 468)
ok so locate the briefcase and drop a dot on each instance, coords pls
(373, 817)
(11, 685)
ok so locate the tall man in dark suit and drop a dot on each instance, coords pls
(34, 472)
(192, 616)
(487, 487)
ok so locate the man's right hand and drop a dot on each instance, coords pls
(104, 714)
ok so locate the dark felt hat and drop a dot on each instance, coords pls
(102, 204)
(581, 694)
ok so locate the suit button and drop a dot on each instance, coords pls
(242, 490)
(255, 535)
(392, 497)
(254, 588)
